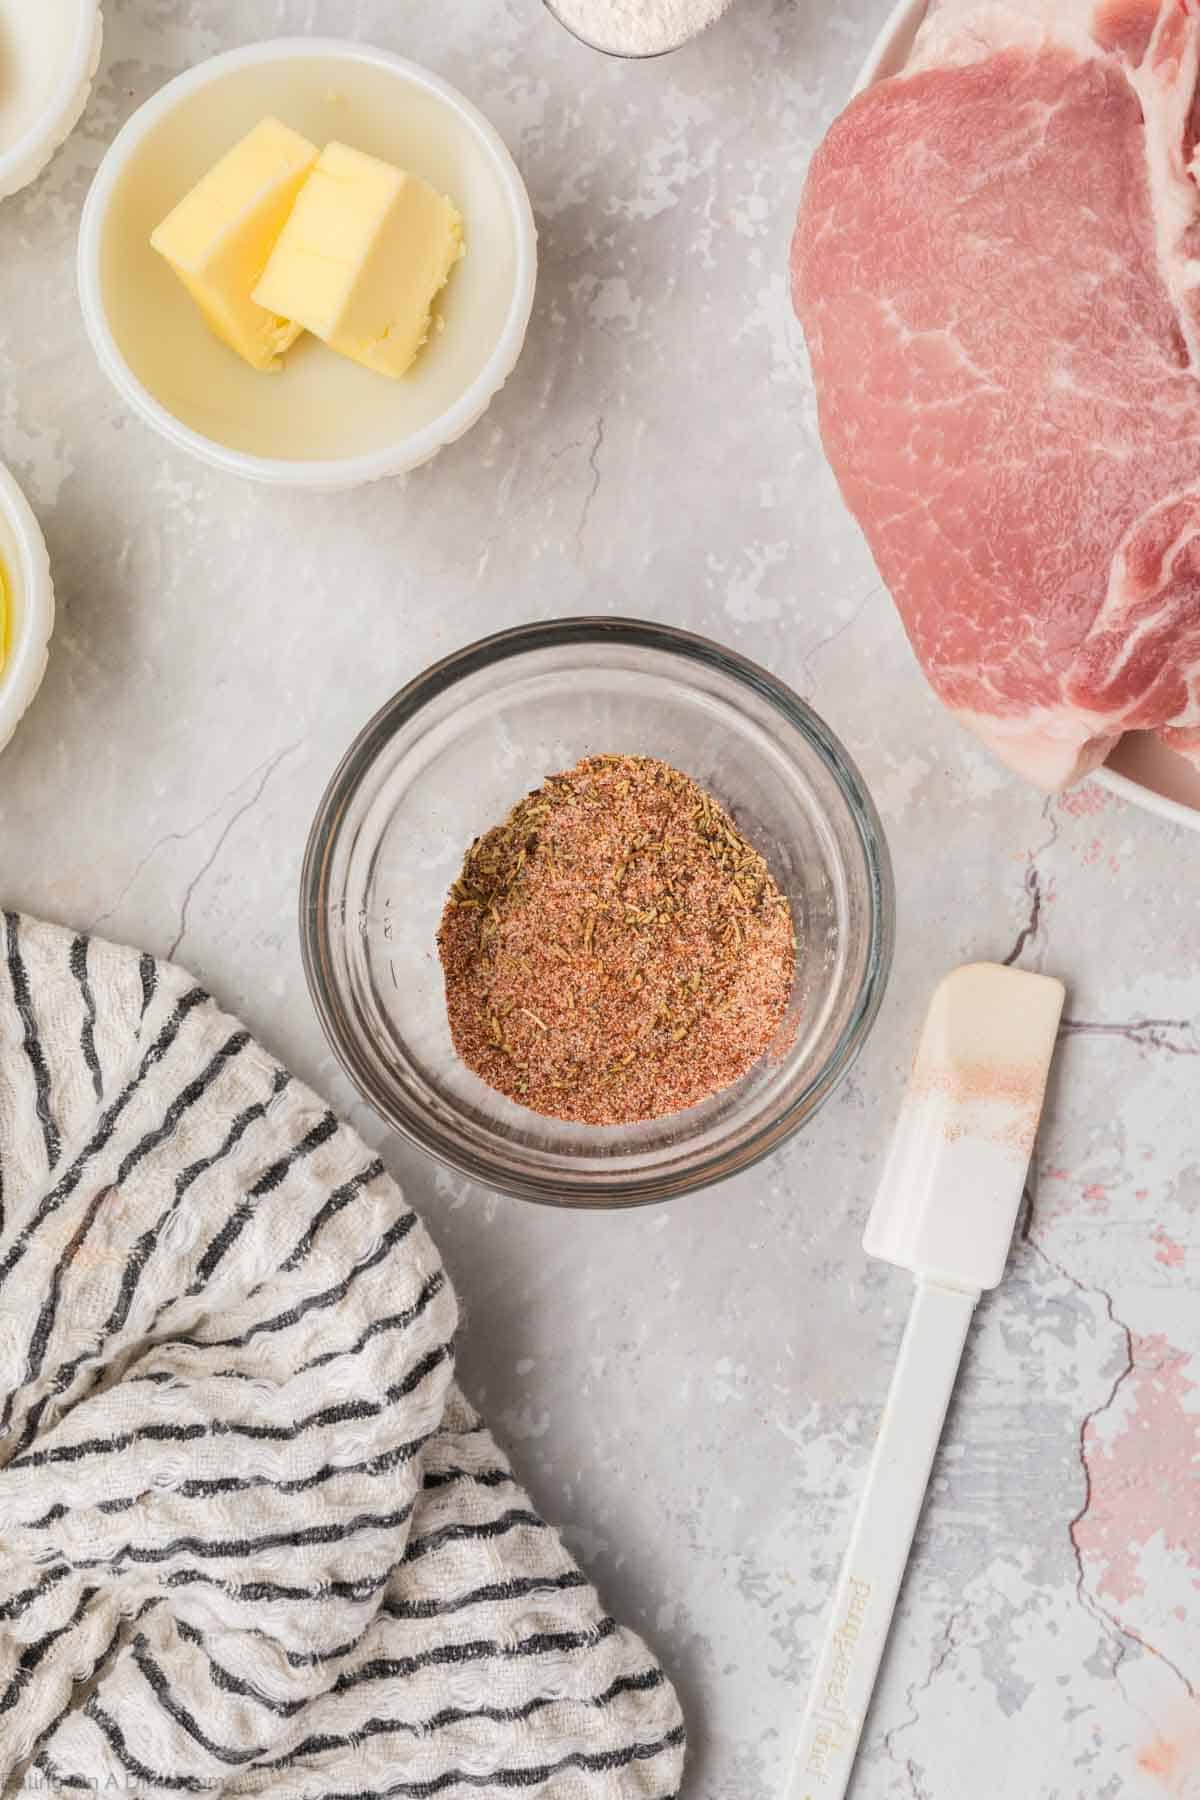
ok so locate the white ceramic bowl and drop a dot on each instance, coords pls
(31, 603)
(1141, 769)
(49, 52)
(322, 422)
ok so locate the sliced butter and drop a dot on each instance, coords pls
(362, 257)
(219, 238)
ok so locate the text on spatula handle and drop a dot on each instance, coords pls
(834, 1729)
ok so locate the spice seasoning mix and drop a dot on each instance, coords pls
(615, 951)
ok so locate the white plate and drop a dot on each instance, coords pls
(1141, 769)
(49, 54)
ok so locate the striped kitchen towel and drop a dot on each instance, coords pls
(253, 1540)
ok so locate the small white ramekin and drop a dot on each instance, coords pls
(31, 602)
(321, 472)
(24, 160)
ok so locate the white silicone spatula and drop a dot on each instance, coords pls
(946, 1209)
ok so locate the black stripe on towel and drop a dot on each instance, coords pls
(56, 1778)
(33, 1654)
(18, 976)
(45, 1322)
(436, 1478)
(488, 1528)
(115, 1737)
(399, 1321)
(162, 1133)
(323, 1742)
(204, 1489)
(343, 1412)
(174, 1709)
(183, 1102)
(378, 1465)
(148, 973)
(16, 1604)
(598, 1762)
(59, 1511)
(233, 1227)
(87, 1031)
(254, 1593)
(333, 1532)
(391, 1668)
(229, 1683)
(68, 1182)
(43, 1762)
(165, 1433)
(495, 1593)
(394, 1235)
(140, 1255)
(339, 1198)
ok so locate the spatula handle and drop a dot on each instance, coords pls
(865, 1598)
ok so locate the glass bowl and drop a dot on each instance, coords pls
(449, 757)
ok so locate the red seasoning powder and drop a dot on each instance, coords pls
(615, 950)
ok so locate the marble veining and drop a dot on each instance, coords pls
(690, 1391)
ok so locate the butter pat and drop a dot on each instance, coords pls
(219, 238)
(362, 257)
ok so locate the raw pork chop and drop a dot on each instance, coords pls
(997, 266)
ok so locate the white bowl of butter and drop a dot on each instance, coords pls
(49, 52)
(321, 420)
(26, 605)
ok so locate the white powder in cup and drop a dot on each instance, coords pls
(637, 27)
